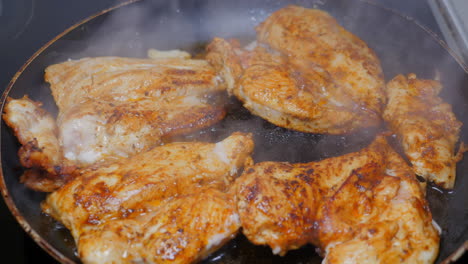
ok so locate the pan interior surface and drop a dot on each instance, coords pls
(402, 46)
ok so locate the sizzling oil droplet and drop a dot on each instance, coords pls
(437, 189)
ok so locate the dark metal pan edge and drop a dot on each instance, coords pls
(4, 191)
(61, 258)
(410, 19)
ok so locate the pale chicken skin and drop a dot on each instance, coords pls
(306, 73)
(124, 79)
(362, 207)
(131, 210)
(426, 127)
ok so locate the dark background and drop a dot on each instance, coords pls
(26, 25)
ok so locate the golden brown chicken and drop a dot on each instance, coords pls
(426, 127)
(363, 207)
(184, 229)
(111, 108)
(306, 73)
(37, 132)
(165, 205)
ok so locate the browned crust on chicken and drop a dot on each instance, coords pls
(426, 127)
(185, 229)
(42, 181)
(36, 131)
(123, 79)
(306, 73)
(315, 38)
(112, 107)
(151, 197)
(363, 207)
(40, 152)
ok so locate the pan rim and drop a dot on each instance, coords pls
(52, 251)
(433, 35)
(55, 253)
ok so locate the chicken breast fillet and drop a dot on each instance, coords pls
(184, 229)
(36, 131)
(363, 207)
(426, 127)
(124, 79)
(111, 108)
(165, 205)
(40, 152)
(306, 73)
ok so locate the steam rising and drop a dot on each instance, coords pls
(164, 25)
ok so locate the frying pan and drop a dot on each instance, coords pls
(131, 28)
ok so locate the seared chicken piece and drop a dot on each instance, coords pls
(111, 108)
(40, 152)
(363, 207)
(97, 130)
(426, 127)
(128, 79)
(115, 107)
(184, 229)
(132, 209)
(37, 132)
(306, 73)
